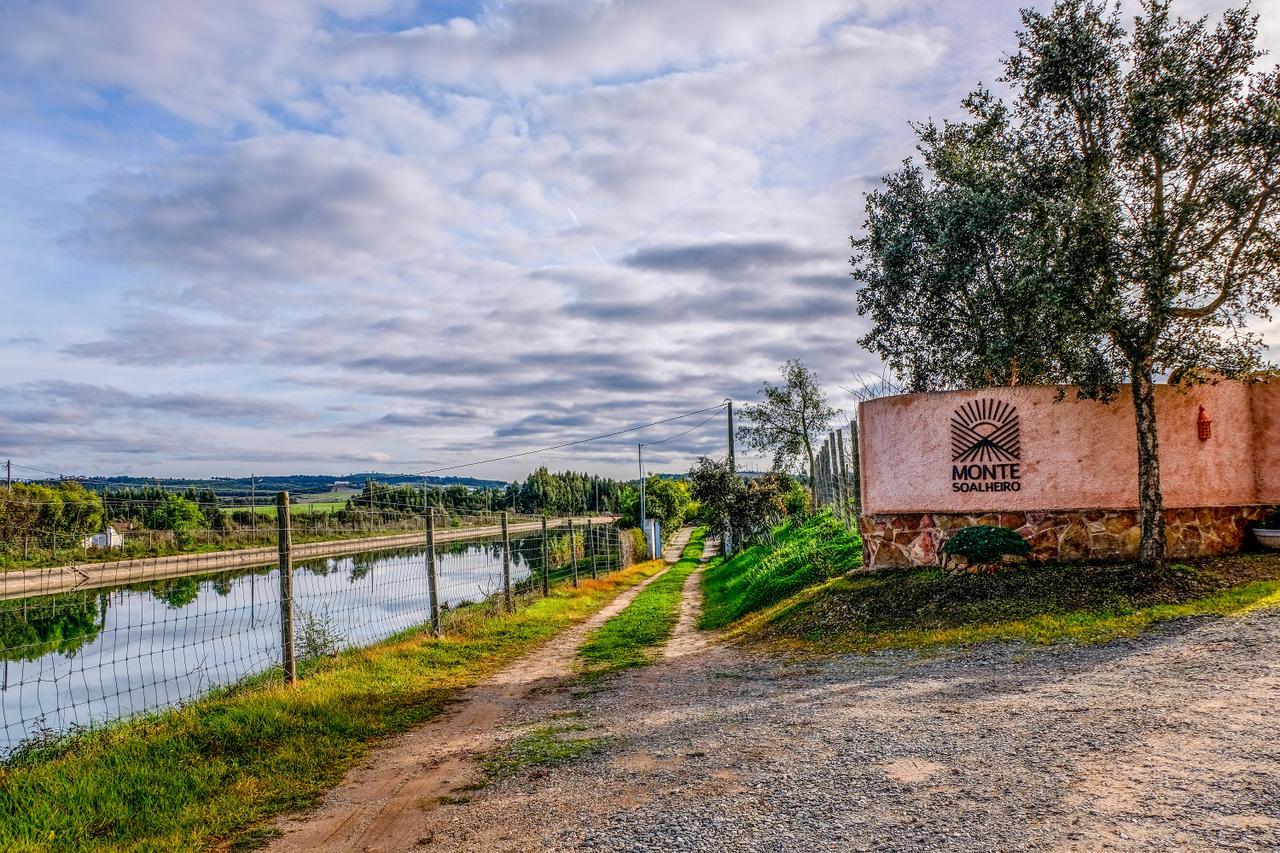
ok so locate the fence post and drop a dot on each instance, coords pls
(844, 476)
(590, 546)
(506, 563)
(432, 582)
(856, 461)
(546, 565)
(573, 555)
(286, 589)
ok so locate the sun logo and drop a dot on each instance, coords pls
(985, 431)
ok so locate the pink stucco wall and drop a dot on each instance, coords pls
(1076, 454)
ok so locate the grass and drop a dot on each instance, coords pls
(631, 638)
(218, 770)
(802, 553)
(544, 748)
(926, 609)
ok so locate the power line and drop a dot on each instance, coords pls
(686, 432)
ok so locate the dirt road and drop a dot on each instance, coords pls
(386, 803)
(1166, 742)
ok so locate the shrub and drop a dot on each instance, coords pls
(985, 543)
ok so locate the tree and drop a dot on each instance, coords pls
(178, 514)
(667, 501)
(1127, 199)
(790, 419)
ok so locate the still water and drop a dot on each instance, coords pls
(87, 657)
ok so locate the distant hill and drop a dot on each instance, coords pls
(298, 484)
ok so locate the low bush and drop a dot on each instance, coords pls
(985, 544)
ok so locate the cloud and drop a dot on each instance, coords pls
(724, 260)
(301, 233)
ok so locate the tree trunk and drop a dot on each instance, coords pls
(1150, 501)
(813, 475)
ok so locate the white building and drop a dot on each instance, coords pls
(109, 538)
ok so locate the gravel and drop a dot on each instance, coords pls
(1166, 742)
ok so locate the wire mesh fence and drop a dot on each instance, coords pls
(101, 638)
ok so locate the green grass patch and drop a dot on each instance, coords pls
(632, 637)
(545, 747)
(803, 553)
(218, 770)
(1036, 603)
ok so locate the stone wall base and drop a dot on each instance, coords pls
(915, 539)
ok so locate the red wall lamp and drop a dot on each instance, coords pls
(1204, 425)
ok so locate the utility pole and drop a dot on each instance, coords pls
(644, 522)
(8, 474)
(732, 462)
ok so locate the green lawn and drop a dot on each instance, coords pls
(221, 768)
(802, 553)
(633, 637)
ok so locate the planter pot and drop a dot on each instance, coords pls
(1268, 538)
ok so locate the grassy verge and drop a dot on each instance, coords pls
(632, 637)
(927, 609)
(219, 769)
(802, 554)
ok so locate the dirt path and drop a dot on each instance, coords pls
(687, 639)
(385, 804)
(1165, 742)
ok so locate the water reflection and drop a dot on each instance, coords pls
(89, 656)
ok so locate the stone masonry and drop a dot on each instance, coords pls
(915, 539)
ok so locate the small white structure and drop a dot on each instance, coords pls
(109, 538)
(653, 536)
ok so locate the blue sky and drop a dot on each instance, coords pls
(326, 236)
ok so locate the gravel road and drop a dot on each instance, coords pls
(1167, 742)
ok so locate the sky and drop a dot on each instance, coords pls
(374, 234)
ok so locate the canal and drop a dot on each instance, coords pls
(83, 658)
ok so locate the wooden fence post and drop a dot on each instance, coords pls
(573, 555)
(591, 548)
(286, 589)
(546, 565)
(856, 461)
(432, 581)
(506, 564)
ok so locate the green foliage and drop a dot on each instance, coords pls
(30, 509)
(986, 543)
(747, 509)
(178, 514)
(218, 770)
(790, 419)
(803, 553)
(1119, 215)
(633, 637)
(668, 501)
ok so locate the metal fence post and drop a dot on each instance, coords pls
(591, 548)
(286, 589)
(506, 563)
(573, 555)
(546, 564)
(432, 582)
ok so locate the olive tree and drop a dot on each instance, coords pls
(1115, 222)
(791, 418)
